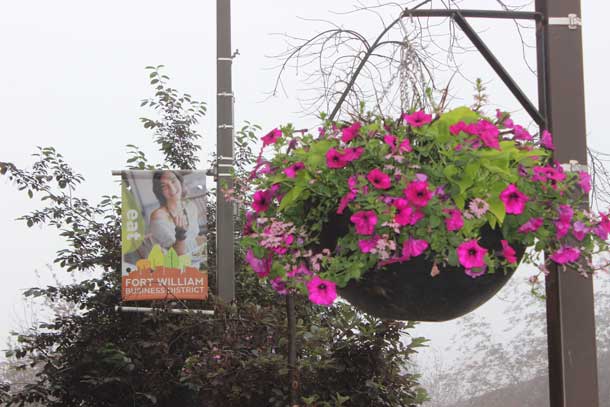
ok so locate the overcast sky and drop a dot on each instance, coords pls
(72, 76)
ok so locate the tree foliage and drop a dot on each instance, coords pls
(97, 356)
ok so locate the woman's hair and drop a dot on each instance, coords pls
(158, 187)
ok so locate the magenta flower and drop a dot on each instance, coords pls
(366, 246)
(471, 255)
(291, 172)
(299, 271)
(455, 129)
(351, 154)
(405, 146)
(531, 225)
(508, 252)
(584, 181)
(476, 272)
(261, 267)
(272, 137)
(579, 230)
(522, 134)
(334, 159)
(562, 228)
(415, 217)
(417, 193)
(321, 292)
(566, 213)
(279, 286)
(546, 140)
(261, 200)
(349, 133)
(488, 133)
(454, 221)
(514, 200)
(364, 221)
(379, 179)
(418, 118)
(404, 212)
(413, 247)
(345, 200)
(390, 140)
(566, 254)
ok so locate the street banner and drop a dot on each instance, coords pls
(163, 232)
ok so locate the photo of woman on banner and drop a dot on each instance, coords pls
(174, 224)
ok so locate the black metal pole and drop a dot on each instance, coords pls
(225, 256)
(570, 312)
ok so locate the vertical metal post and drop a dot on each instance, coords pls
(570, 313)
(225, 255)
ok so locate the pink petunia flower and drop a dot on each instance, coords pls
(579, 230)
(413, 247)
(261, 200)
(279, 286)
(584, 181)
(322, 292)
(352, 154)
(454, 221)
(531, 225)
(514, 200)
(379, 179)
(364, 221)
(272, 137)
(455, 129)
(366, 246)
(334, 159)
(471, 255)
(261, 267)
(390, 140)
(522, 134)
(565, 213)
(291, 172)
(546, 140)
(418, 118)
(349, 133)
(488, 133)
(405, 146)
(345, 200)
(508, 252)
(565, 254)
(417, 193)
(403, 211)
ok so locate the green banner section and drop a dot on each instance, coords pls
(132, 228)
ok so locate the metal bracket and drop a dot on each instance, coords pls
(225, 126)
(574, 166)
(572, 21)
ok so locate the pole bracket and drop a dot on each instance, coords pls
(572, 21)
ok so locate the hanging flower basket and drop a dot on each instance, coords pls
(419, 217)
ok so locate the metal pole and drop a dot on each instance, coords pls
(570, 313)
(225, 255)
(293, 369)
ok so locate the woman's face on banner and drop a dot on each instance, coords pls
(170, 186)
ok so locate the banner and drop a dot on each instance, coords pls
(163, 231)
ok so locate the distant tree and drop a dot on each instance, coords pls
(96, 356)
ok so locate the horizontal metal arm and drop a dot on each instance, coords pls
(502, 14)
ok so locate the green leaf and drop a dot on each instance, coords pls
(496, 206)
(291, 197)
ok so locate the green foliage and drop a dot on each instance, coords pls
(100, 357)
